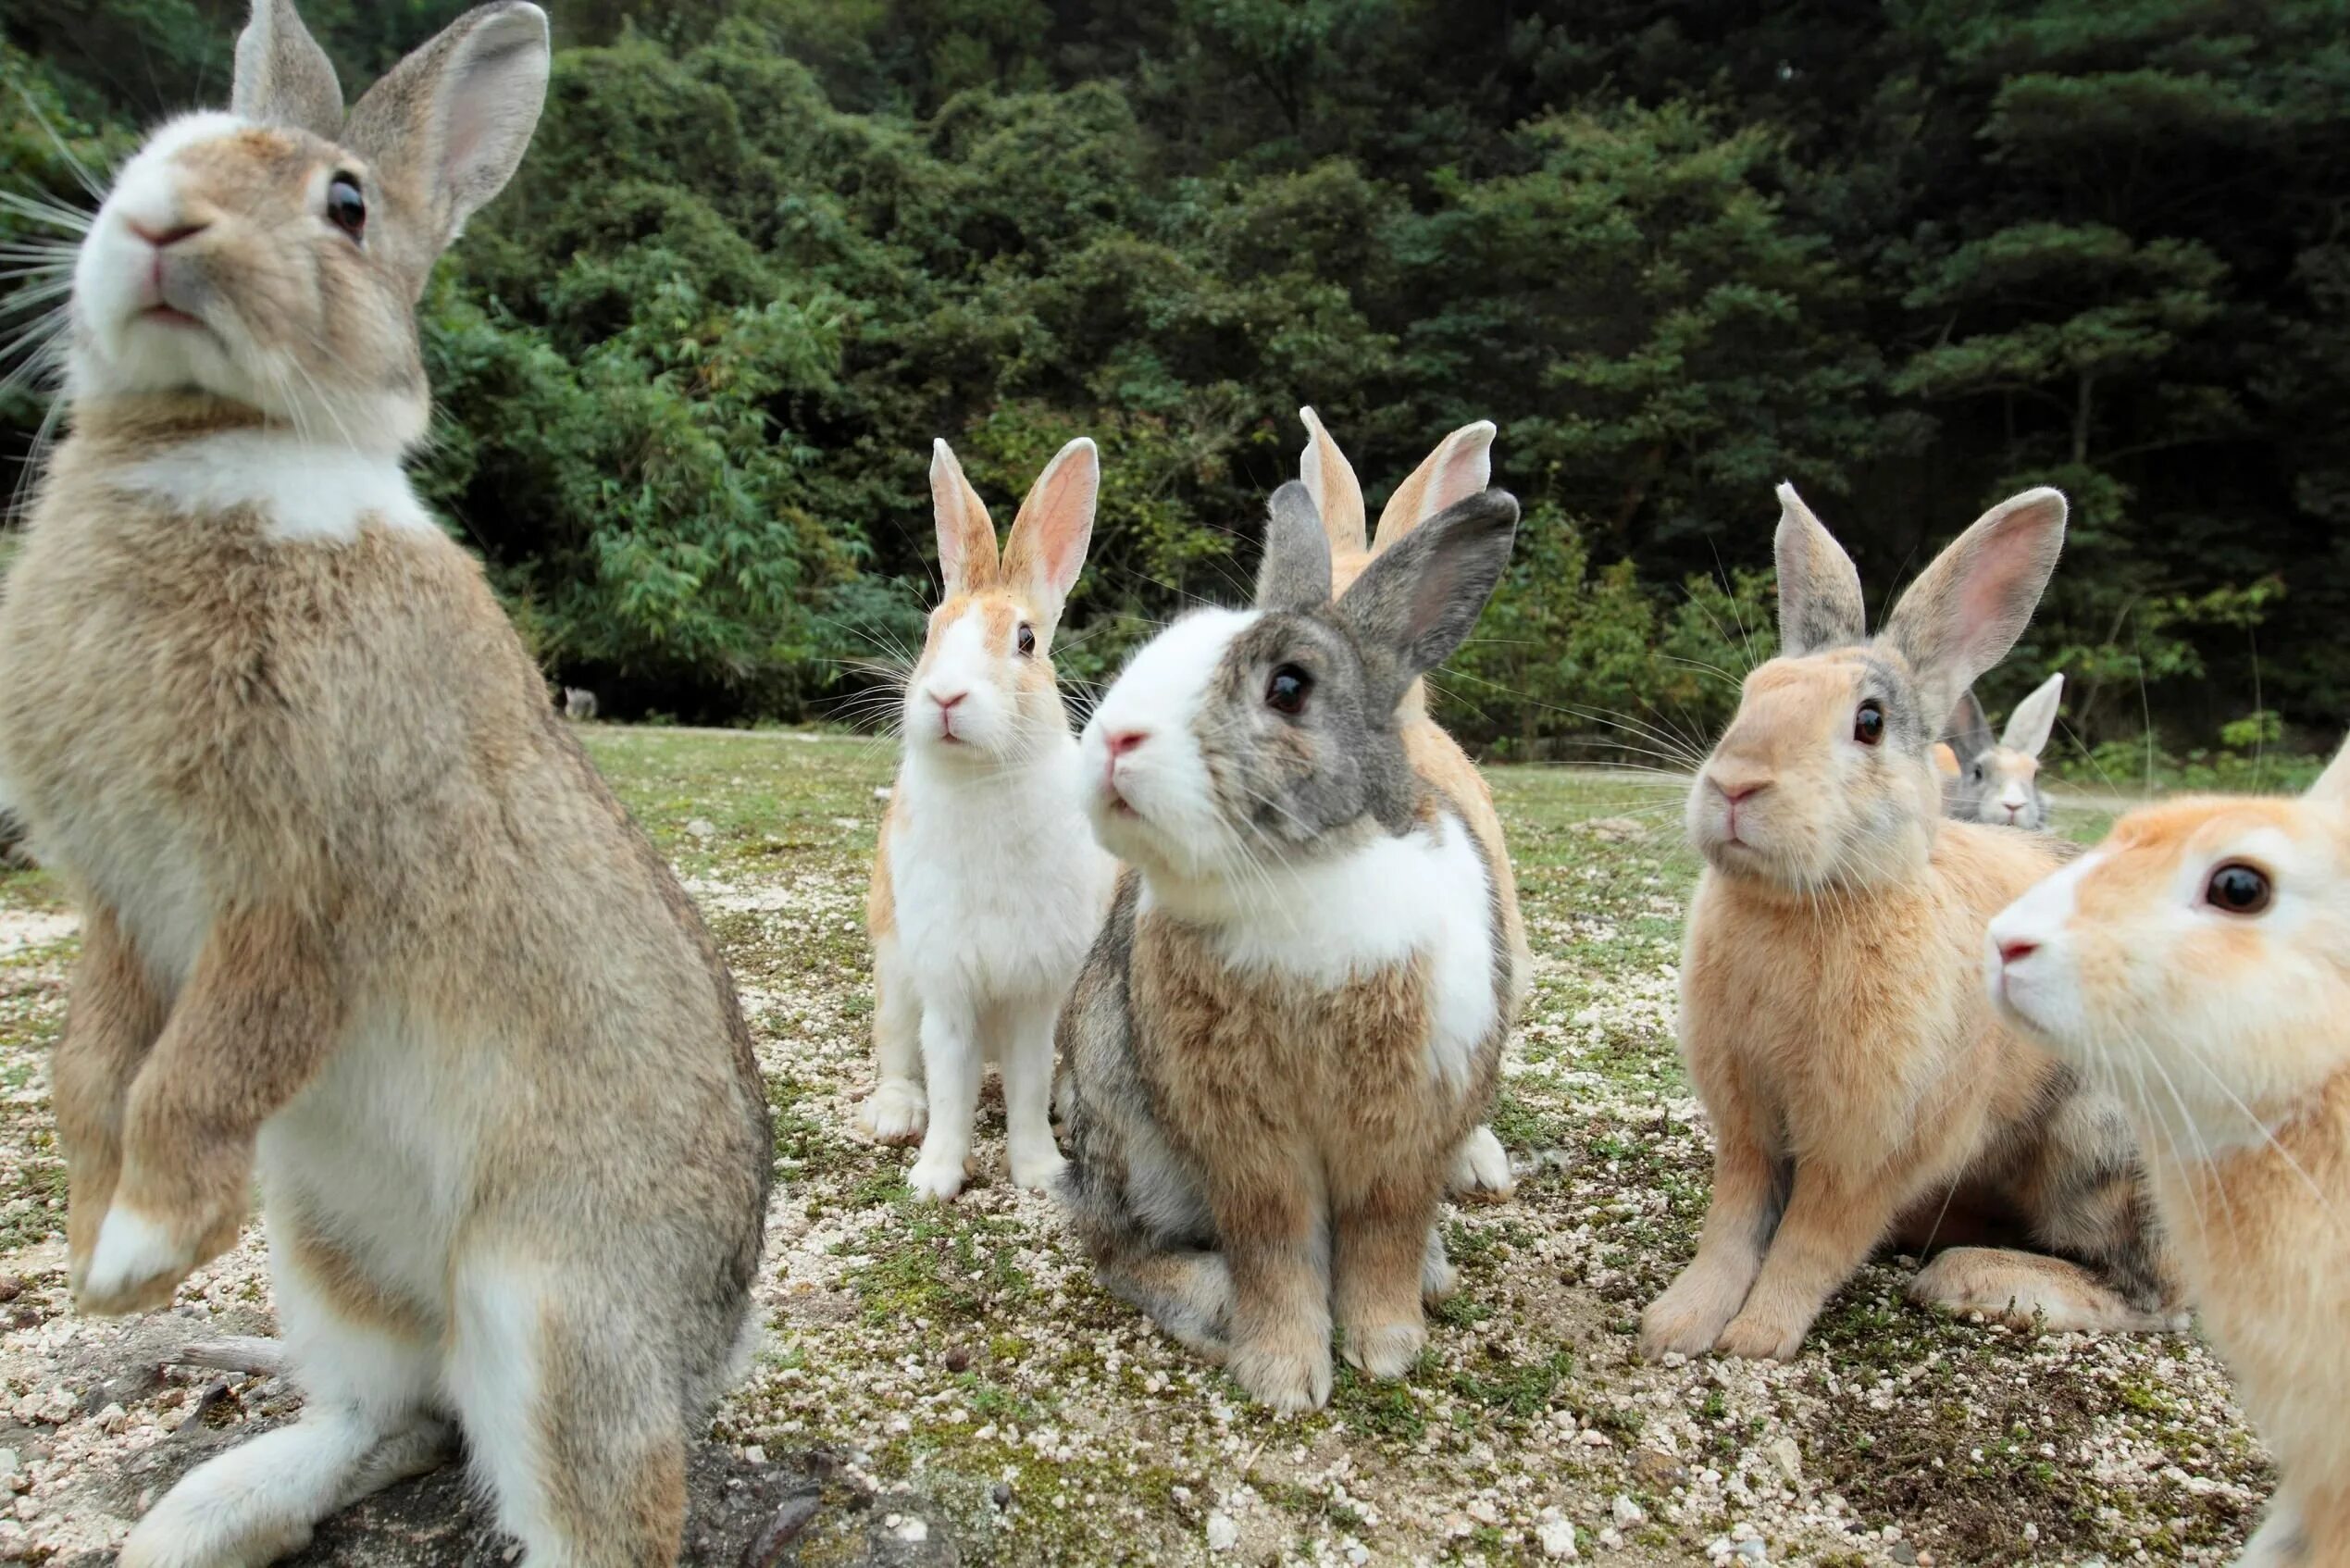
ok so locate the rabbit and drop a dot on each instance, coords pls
(358, 917)
(578, 705)
(985, 889)
(1460, 466)
(1296, 1011)
(2196, 964)
(1859, 1088)
(1999, 781)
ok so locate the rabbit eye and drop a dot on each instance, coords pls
(347, 205)
(1868, 725)
(1286, 693)
(1026, 639)
(2239, 890)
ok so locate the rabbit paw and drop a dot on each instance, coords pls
(1285, 1382)
(895, 1112)
(1481, 1169)
(1388, 1351)
(135, 1268)
(1688, 1318)
(1438, 1279)
(1756, 1337)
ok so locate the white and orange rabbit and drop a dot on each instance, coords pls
(358, 915)
(987, 889)
(1859, 1088)
(2196, 964)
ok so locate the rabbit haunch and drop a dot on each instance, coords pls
(360, 917)
(1861, 1091)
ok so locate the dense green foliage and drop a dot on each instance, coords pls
(1912, 257)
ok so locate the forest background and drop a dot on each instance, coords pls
(1912, 255)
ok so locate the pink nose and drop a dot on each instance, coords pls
(1737, 793)
(2011, 951)
(1126, 741)
(946, 704)
(166, 237)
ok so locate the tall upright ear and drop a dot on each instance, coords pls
(1055, 524)
(447, 126)
(2034, 718)
(1294, 572)
(1415, 604)
(1966, 610)
(1820, 603)
(1460, 466)
(282, 76)
(1337, 494)
(967, 534)
(2332, 787)
(1969, 729)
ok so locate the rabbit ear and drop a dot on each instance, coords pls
(2332, 787)
(1969, 729)
(2034, 718)
(1460, 466)
(1819, 604)
(1336, 493)
(1295, 574)
(447, 126)
(1055, 524)
(1966, 611)
(282, 76)
(967, 534)
(1416, 603)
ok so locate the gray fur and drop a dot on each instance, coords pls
(1295, 574)
(1820, 603)
(282, 76)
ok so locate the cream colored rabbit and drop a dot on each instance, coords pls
(2197, 965)
(1859, 1088)
(357, 913)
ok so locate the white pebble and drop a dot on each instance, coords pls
(1222, 1534)
(1626, 1512)
(1558, 1538)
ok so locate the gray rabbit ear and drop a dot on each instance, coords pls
(1295, 574)
(1820, 603)
(1416, 603)
(1969, 731)
(282, 76)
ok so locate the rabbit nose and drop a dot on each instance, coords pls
(946, 704)
(2014, 950)
(165, 236)
(1124, 740)
(1738, 791)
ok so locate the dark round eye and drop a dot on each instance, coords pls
(2239, 888)
(1868, 725)
(1978, 771)
(1286, 693)
(347, 205)
(1027, 639)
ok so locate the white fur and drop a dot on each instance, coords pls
(308, 492)
(492, 1380)
(1174, 823)
(131, 1251)
(2034, 718)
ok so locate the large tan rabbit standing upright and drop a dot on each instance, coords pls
(358, 915)
(1832, 1012)
(2197, 965)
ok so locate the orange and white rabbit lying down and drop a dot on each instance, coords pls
(357, 913)
(2197, 965)
(1832, 1014)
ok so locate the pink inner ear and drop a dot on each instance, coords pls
(1065, 521)
(1466, 470)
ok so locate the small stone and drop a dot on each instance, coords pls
(755, 1454)
(958, 1360)
(703, 827)
(1222, 1534)
(114, 1418)
(1657, 1472)
(1626, 1512)
(11, 1287)
(1557, 1536)
(914, 1532)
(1611, 1537)
(1000, 1493)
(1904, 1552)
(1357, 1553)
(774, 1543)
(1788, 1458)
(10, 1464)
(1752, 1550)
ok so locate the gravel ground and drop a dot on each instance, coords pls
(961, 1383)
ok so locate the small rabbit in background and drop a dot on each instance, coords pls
(1295, 1016)
(2196, 964)
(358, 918)
(1859, 1088)
(1998, 781)
(578, 704)
(987, 889)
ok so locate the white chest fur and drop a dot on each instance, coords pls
(1374, 908)
(306, 490)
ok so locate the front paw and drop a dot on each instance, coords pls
(1481, 1169)
(937, 1178)
(1757, 1338)
(895, 1112)
(1388, 1351)
(1038, 1170)
(1284, 1381)
(135, 1268)
(1687, 1318)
